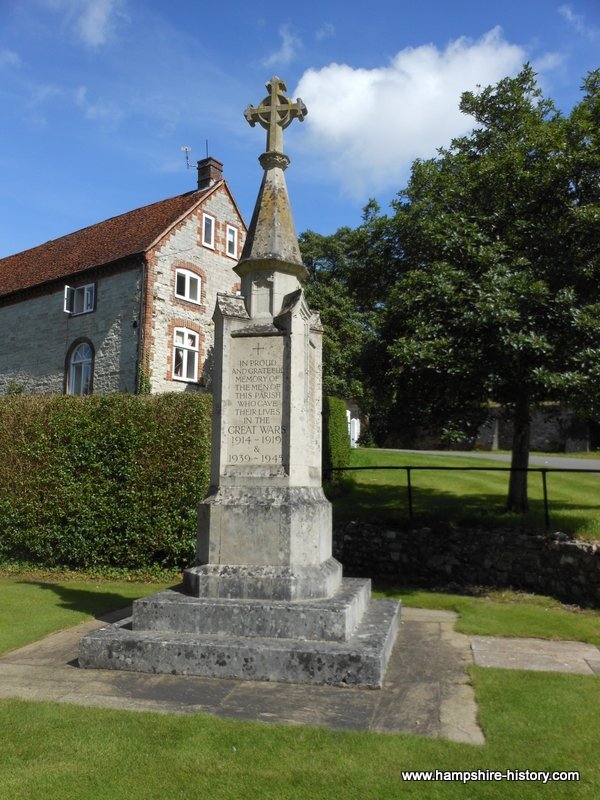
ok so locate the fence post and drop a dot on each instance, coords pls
(409, 490)
(546, 513)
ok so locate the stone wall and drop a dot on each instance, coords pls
(554, 428)
(36, 335)
(550, 564)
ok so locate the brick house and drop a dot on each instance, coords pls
(96, 309)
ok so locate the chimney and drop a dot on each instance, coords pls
(209, 172)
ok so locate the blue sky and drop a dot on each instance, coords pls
(98, 96)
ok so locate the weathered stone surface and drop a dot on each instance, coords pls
(361, 661)
(331, 619)
(265, 526)
(267, 582)
(272, 234)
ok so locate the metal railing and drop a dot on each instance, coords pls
(543, 470)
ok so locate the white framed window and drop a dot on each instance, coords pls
(185, 355)
(81, 365)
(208, 231)
(231, 241)
(80, 299)
(188, 286)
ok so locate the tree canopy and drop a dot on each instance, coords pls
(484, 283)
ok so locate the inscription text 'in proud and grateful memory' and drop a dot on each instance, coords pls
(255, 433)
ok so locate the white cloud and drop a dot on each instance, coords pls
(96, 21)
(326, 31)
(98, 110)
(43, 92)
(368, 125)
(548, 62)
(290, 45)
(577, 21)
(8, 58)
(93, 21)
(53, 96)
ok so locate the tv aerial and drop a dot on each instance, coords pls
(187, 150)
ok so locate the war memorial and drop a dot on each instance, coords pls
(266, 600)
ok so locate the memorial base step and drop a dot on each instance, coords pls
(359, 661)
(332, 619)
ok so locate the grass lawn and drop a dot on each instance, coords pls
(534, 721)
(35, 604)
(468, 497)
(508, 613)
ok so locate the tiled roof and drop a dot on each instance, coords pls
(103, 243)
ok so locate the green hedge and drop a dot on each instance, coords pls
(336, 441)
(111, 481)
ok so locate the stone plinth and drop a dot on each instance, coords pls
(343, 640)
(244, 581)
(279, 526)
(332, 619)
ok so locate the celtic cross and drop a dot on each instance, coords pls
(275, 113)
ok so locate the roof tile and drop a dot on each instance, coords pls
(103, 243)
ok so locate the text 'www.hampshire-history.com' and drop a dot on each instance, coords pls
(468, 776)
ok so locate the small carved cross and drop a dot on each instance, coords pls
(257, 349)
(275, 113)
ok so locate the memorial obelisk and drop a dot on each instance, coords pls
(266, 510)
(266, 600)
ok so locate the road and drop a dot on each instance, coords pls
(561, 462)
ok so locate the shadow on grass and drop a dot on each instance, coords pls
(406, 592)
(95, 601)
(371, 502)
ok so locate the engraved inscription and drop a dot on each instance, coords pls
(255, 430)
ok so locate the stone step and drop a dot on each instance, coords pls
(316, 581)
(333, 619)
(361, 661)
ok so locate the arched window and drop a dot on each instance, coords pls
(81, 369)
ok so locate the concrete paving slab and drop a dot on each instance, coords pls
(593, 661)
(409, 708)
(351, 709)
(539, 655)
(457, 721)
(428, 615)
(424, 691)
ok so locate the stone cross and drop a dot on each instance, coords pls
(275, 113)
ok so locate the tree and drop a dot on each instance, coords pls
(499, 295)
(348, 328)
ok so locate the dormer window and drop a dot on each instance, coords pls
(188, 286)
(208, 231)
(231, 241)
(80, 299)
